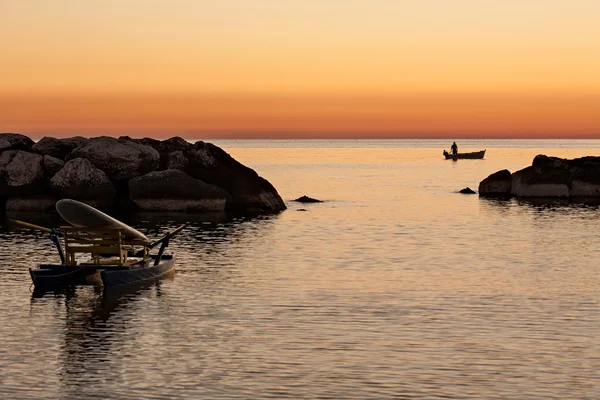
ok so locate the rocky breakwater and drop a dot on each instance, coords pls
(146, 174)
(547, 177)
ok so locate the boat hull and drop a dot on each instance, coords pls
(53, 276)
(476, 155)
(57, 276)
(138, 273)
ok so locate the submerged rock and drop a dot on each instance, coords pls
(306, 199)
(467, 190)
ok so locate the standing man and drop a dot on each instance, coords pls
(454, 148)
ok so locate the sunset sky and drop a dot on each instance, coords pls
(301, 68)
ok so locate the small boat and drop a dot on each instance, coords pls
(119, 255)
(476, 155)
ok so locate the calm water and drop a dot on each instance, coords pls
(395, 287)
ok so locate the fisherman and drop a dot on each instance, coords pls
(454, 148)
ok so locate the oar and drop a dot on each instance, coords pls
(159, 241)
(167, 236)
(32, 226)
(54, 234)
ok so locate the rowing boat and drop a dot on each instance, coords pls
(55, 276)
(119, 255)
(476, 155)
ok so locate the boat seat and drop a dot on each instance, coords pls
(98, 242)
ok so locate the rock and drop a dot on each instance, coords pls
(585, 180)
(467, 190)
(21, 173)
(550, 177)
(584, 189)
(52, 165)
(58, 148)
(302, 209)
(4, 145)
(174, 190)
(176, 160)
(306, 199)
(540, 181)
(497, 184)
(164, 147)
(15, 141)
(99, 171)
(248, 191)
(39, 203)
(119, 159)
(80, 180)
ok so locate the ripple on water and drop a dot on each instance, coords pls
(396, 287)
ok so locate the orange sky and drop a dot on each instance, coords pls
(301, 68)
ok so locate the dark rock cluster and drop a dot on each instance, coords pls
(550, 177)
(148, 174)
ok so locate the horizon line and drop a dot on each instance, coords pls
(317, 136)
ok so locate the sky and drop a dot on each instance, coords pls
(301, 68)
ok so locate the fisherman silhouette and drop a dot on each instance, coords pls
(454, 148)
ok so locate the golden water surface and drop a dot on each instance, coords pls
(395, 287)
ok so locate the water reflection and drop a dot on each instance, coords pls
(400, 289)
(541, 204)
(98, 325)
(102, 330)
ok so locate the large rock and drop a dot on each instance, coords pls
(497, 184)
(248, 191)
(174, 190)
(31, 203)
(547, 177)
(164, 147)
(550, 177)
(99, 171)
(52, 165)
(15, 141)
(21, 173)
(119, 159)
(80, 180)
(176, 160)
(58, 148)
(585, 180)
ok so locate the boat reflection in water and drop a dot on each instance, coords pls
(99, 327)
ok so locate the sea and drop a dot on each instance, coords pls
(396, 286)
